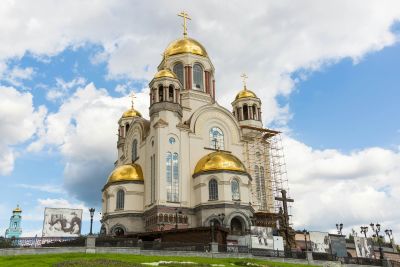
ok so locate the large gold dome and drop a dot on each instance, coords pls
(127, 172)
(245, 94)
(185, 45)
(131, 113)
(219, 161)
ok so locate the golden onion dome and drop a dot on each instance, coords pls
(245, 94)
(17, 209)
(165, 73)
(127, 172)
(131, 113)
(185, 45)
(219, 161)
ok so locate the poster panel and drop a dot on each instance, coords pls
(278, 243)
(338, 245)
(364, 248)
(59, 222)
(319, 242)
(261, 237)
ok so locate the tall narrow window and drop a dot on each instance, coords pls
(213, 189)
(120, 199)
(169, 175)
(198, 77)
(153, 178)
(235, 189)
(175, 181)
(245, 112)
(160, 93)
(258, 185)
(171, 93)
(216, 137)
(263, 195)
(126, 129)
(134, 150)
(178, 70)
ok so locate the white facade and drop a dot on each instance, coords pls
(186, 124)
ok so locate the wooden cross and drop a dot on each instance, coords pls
(285, 200)
(244, 77)
(132, 96)
(185, 17)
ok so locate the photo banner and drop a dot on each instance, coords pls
(364, 248)
(319, 242)
(59, 222)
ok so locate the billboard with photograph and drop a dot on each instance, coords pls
(278, 243)
(261, 237)
(60, 222)
(338, 245)
(319, 242)
(364, 248)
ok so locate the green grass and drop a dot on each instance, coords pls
(81, 259)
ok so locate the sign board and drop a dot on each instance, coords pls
(364, 248)
(338, 245)
(261, 237)
(60, 222)
(278, 243)
(319, 242)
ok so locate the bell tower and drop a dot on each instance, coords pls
(15, 229)
(247, 107)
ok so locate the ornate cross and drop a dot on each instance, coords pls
(132, 96)
(244, 77)
(285, 200)
(185, 17)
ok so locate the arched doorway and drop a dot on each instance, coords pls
(237, 226)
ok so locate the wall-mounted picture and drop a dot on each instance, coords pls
(60, 222)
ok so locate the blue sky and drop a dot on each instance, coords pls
(329, 76)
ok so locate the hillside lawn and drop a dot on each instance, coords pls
(81, 259)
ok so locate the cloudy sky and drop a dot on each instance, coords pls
(326, 71)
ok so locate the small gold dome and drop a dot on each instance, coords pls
(219, 161)
(131, 113)
(185, 45)
(245, 94)
(17, 209)
(127, 172)
(165, 73)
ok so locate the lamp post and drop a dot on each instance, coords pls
(91, 210)
(177, 211)
(377, 228)
(339, 228)
(364, 230)
(389, 233)
(305, 238)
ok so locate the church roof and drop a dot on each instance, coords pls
(17, 209)
(165, 73)
(219, 161)
(185, 45)
(131, 113)
(127, 172)
(245, 94)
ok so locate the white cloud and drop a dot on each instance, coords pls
(48, 188)
(355, 188)
(19, 121)
(267, 39)
(62, 88)
(17, 75)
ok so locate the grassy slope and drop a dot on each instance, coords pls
(50, 259)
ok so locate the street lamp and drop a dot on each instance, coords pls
(364, 230)
(177, 211)
(91, 210)
(377, 228)
(305, 238)
(389, 233)
(339, 228)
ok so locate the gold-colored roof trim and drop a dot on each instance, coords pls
(219, 161)
(127, 172)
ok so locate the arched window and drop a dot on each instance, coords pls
(257, 176)
(120, 199)
(263, 196)
(126, 129)
(134, 150)
(198, 77)
(254, 112)
(213, 190)
(160, 93)
(216, 138)
(172, 173)
(178, 70)
(245, 112)
(235, 189)
(171, 93)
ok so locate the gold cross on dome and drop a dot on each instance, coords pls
(244, 77)
(132, 96)
(185, 17)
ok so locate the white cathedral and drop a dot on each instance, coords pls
(194, 162)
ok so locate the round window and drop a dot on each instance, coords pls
(172, 140)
